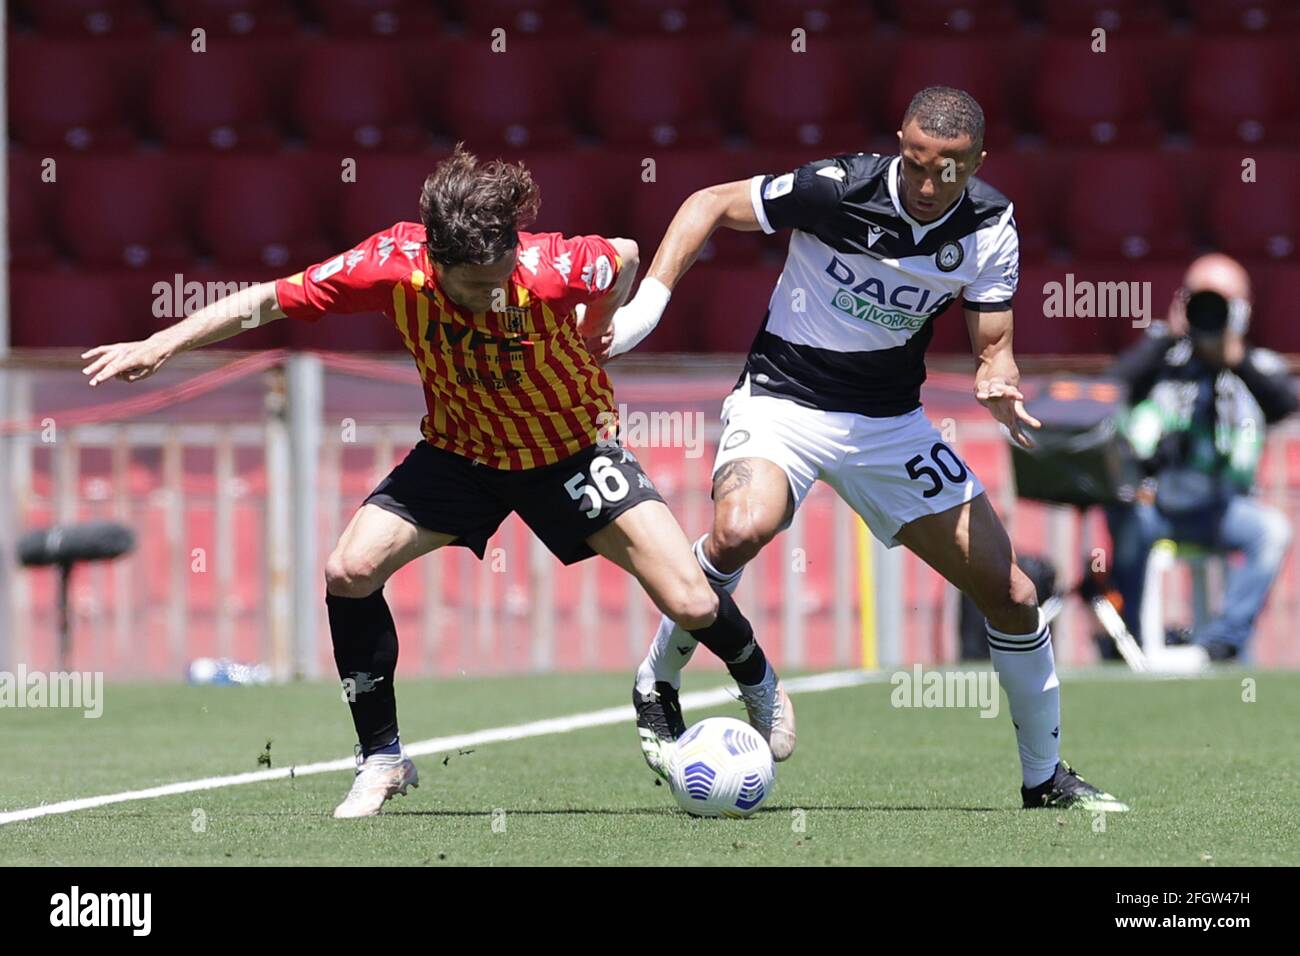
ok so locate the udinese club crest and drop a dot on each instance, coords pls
(949, 256)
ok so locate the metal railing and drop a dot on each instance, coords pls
(238, 493)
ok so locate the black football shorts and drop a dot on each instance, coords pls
(564, 503)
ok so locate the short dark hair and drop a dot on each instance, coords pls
(472, 211)
(947, 113)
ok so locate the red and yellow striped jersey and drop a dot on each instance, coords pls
(512, 389)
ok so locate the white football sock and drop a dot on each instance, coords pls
(1026, 670)
(672, 647)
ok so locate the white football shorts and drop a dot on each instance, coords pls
(889, 470)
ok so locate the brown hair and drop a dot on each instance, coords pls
(472, 211)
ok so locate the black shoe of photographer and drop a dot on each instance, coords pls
(1221, 652)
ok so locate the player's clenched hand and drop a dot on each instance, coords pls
(129, 361)
(1006, 403)
(600, 346)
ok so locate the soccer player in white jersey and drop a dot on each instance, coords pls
(831, 391)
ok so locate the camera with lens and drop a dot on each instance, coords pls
(1210, 315)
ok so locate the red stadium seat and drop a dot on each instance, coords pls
(1260, 218)
(1018, 176)
(343, 333)
(1125, 204)
(678, 330)
(519, 98)
(68, 93)
(92, 17)
(234, 17)
(813, 98)
(1046, 287)
(1119, 107)
(31, 244)
(1249, 16)
(679, 109)
(956, 16)
(218, 99)
(266, 212)
(63, 308)
(522, 16)
(775, 161)
(1243, 89)
(950, 335)
(1165, 278)
(1272, 322)
(652, 205)
(579, 190)
(947, 61)
(387, 190)
(379, 17)
(128, 211)
(732, 305)
(356, 93)
(1110, 15)
(816, 16)
(668, 16)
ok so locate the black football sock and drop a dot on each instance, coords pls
(732, 639)
(365, 652)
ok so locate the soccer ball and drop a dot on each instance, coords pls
(721, 767)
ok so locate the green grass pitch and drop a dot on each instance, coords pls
(1212, 779)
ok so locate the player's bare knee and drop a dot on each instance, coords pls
(1013, 606)
(692, 606)
(348, 574)
(736, 538)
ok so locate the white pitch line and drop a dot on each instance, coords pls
(832, 680)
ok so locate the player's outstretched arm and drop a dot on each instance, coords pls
(997, 382)
(132, 361)
(726, 205)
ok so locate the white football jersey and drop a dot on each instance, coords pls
(850, 318)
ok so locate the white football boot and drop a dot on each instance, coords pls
(771, 713)
(379, 777)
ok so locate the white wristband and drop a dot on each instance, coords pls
(637, 319)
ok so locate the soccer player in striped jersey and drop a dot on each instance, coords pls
(520, 418)
(880, 246)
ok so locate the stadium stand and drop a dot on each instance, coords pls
(949, 61)
(1110, 15)
(217, 100)
(354, 93)
(91, 17)
(1144, 214)
(680, 109)
(958, 16)
(173, 161)
(836, 17)
(382, 17)
(1120, 107)
(1243, 89)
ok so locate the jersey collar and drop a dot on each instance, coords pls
(919, 229)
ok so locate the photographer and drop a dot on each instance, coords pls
(1200, 399)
